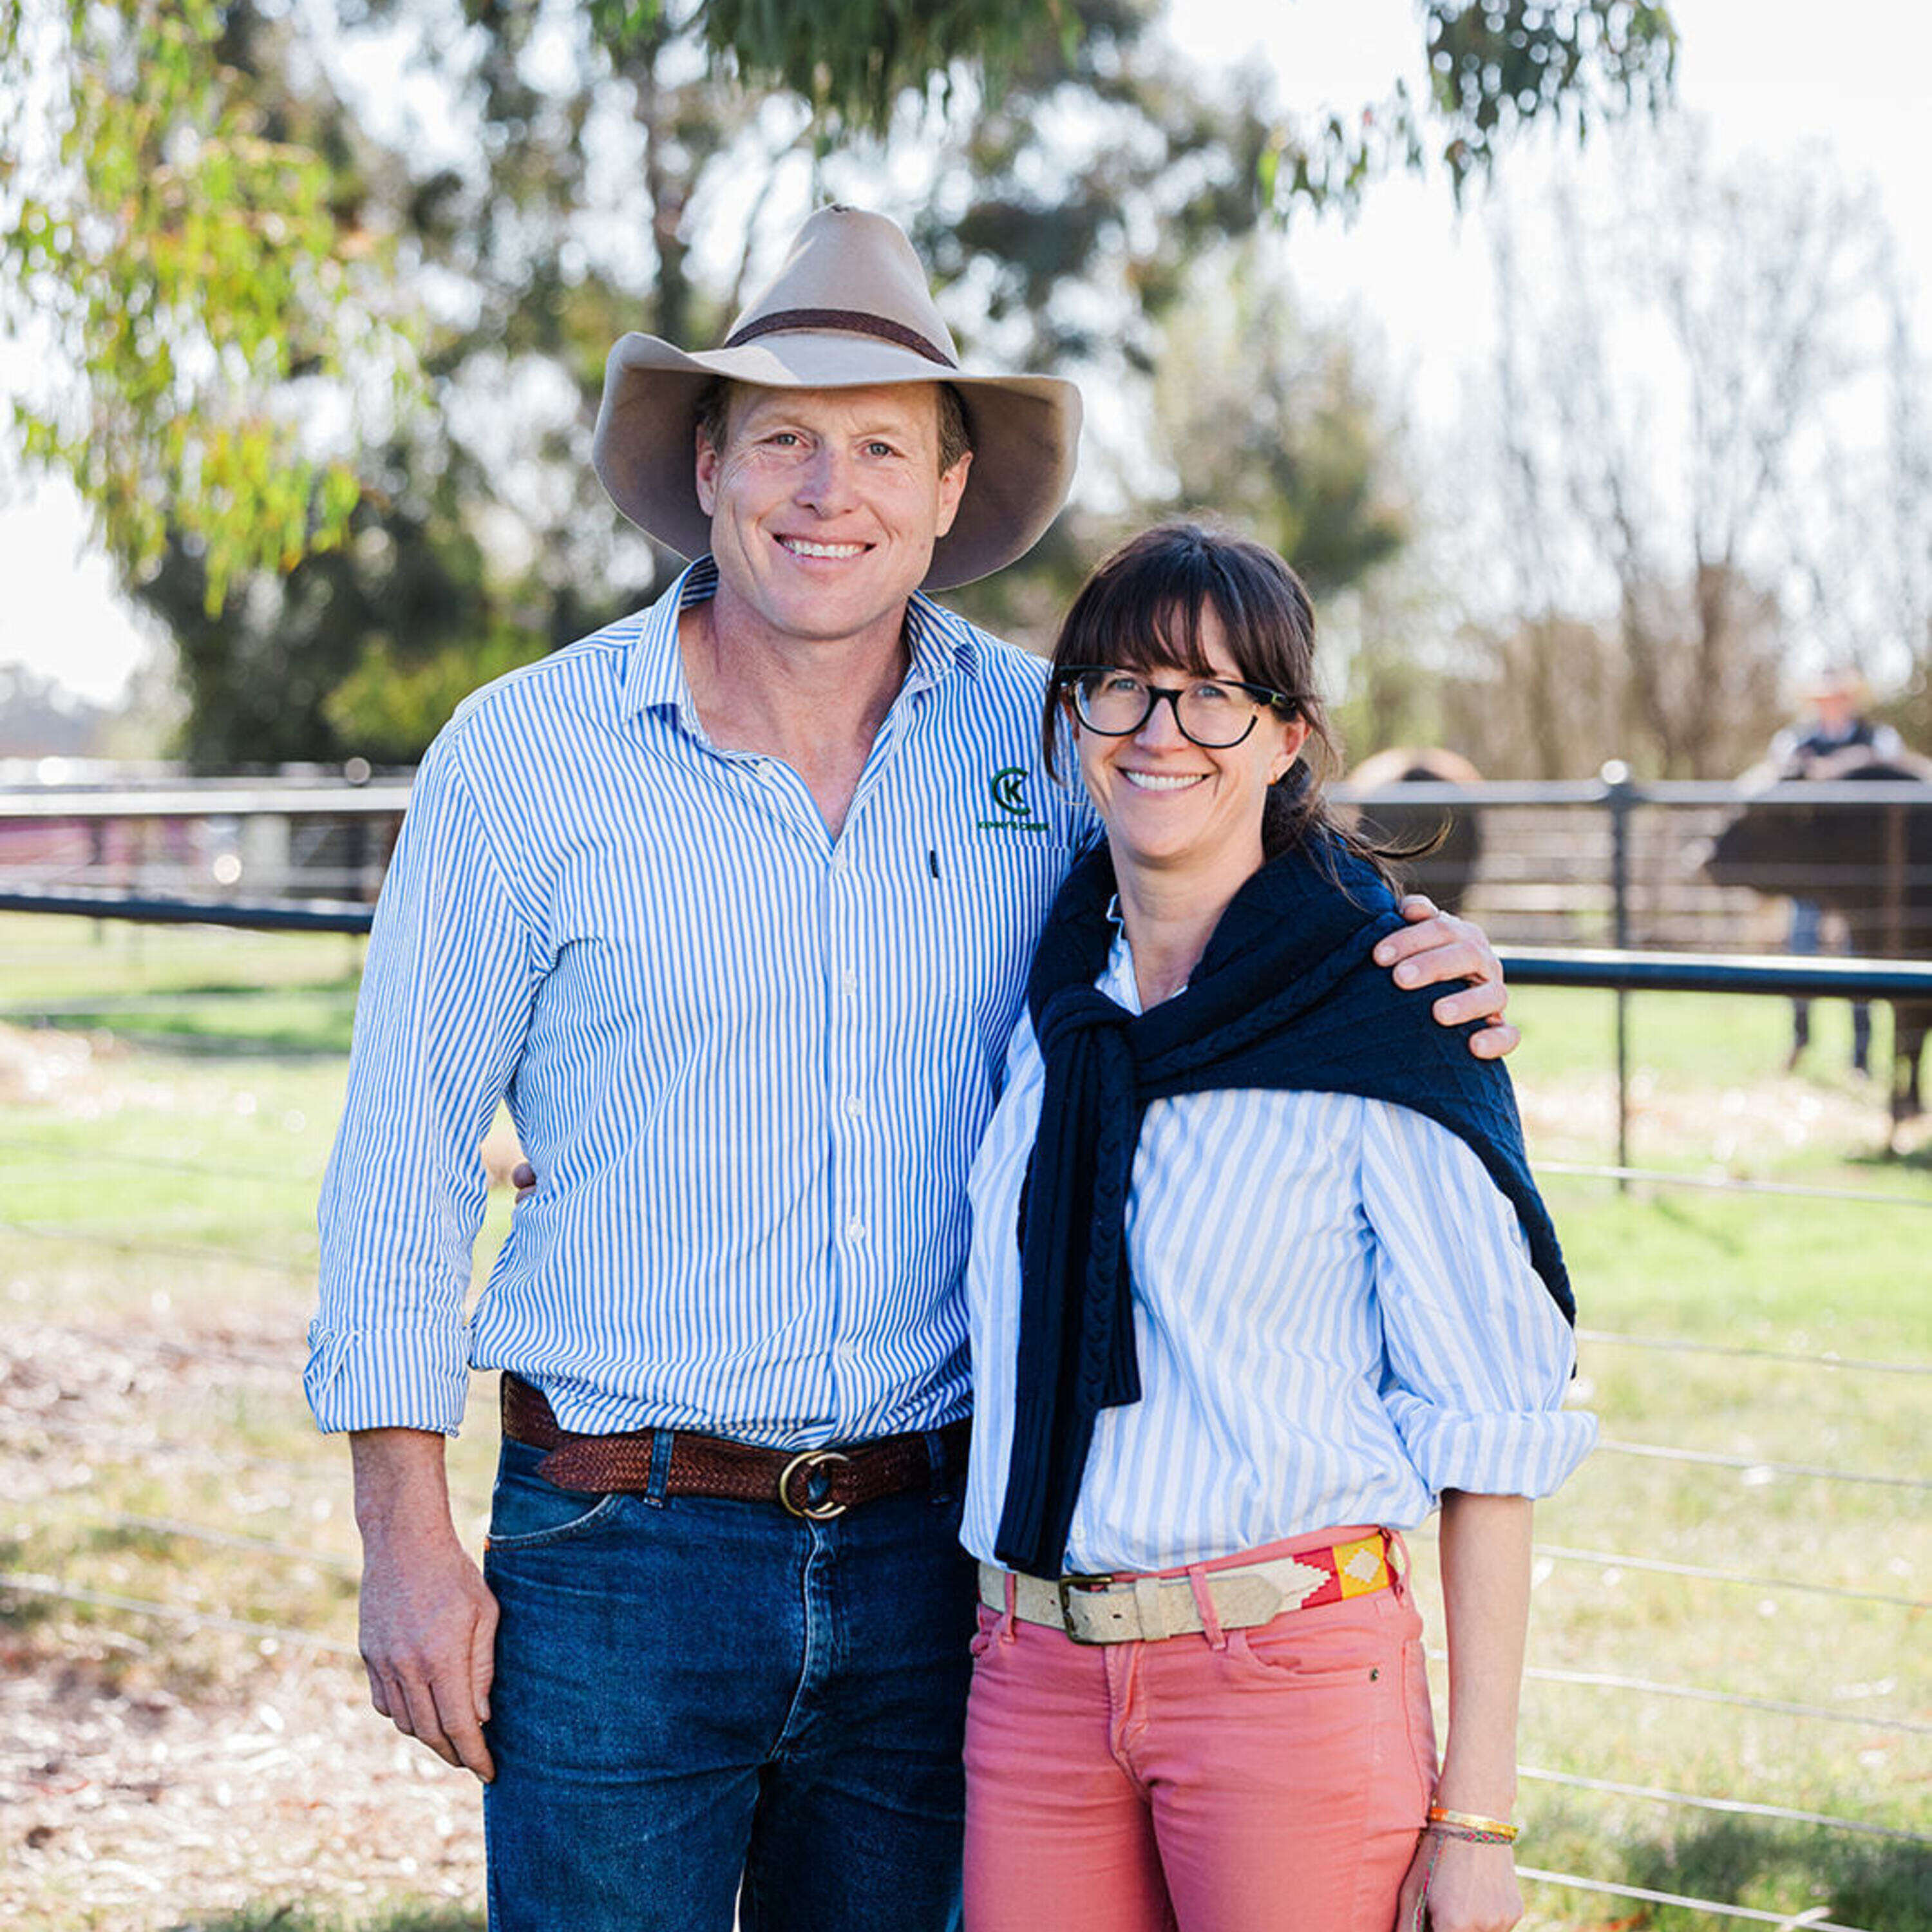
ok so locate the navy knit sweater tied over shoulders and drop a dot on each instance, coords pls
(1286, 997)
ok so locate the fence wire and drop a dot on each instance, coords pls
(1716, 1459)
(28, 1584)
(1814, 1920)
(1677, 1344)
(1723, 1183)
(1608, 1559)
(1742, 1806)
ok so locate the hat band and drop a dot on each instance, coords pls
(854, 319)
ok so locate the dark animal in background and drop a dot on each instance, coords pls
(1872, 864)
(1444, 873)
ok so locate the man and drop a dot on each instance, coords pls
(733, 901)
(1836, 703)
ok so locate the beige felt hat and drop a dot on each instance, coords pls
(848, 309)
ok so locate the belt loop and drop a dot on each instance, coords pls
(661, 1440)
(1395, 1555)
(1005, 1626)
(941, 1464)
(1204, 1602)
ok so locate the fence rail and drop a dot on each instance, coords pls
(1572, 862)
(1604, 968)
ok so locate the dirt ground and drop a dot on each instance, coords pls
(154, 1773)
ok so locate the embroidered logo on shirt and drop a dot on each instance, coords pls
(1004, 786)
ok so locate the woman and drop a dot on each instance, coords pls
(1257, 1274)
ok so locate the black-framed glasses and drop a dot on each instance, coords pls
(1215, 713)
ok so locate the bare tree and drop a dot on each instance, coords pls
(1652, 422)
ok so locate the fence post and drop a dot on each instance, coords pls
(1619, 796)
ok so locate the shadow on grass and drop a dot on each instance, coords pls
(1685, 1218)
(1913, 1159)
(1879, 1884)
(300, 1918)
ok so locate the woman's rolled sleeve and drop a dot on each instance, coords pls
(1477, 1355)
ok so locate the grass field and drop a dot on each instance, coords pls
(185, 1739)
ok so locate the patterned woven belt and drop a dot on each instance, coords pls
(816, 1483)
(1145, 1610)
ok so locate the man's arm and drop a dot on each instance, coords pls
(1437, 947)
(428, 1628)
(439, 1029)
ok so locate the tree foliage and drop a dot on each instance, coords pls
(227, 253)
(175, 242)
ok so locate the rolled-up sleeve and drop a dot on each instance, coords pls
(440, 1023)
(1476, 1356)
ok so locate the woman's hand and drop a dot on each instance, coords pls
(1439, 946)
(1454, 1885)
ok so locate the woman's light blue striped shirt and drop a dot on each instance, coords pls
(750, 1062)
(1335, 1316)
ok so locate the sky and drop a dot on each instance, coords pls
(1769, 76)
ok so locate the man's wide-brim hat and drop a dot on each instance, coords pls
(848, 309)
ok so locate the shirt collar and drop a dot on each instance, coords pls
(1116, 978)
(654, 678)
(938, 640)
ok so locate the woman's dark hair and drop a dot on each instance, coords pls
(1142, 606)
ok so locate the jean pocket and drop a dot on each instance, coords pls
(1316, 1650)
(527, 1513)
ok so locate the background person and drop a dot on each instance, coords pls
(1258, 1273)
(1834, 704)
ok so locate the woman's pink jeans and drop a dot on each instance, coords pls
(1270, 1779)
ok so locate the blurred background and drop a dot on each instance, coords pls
(1577, 355)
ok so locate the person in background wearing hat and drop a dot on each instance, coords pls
(1836, 702)
(733, 901)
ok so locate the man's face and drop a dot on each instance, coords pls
(825, 504)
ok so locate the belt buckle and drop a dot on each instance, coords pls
(811, 1461)
(1066, 1585)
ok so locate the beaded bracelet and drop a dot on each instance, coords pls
(1469, 1837)
(1470, 1825)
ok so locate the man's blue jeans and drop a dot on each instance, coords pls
(1807, 935)
(689, 1692)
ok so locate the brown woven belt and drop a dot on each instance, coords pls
(817, 1483)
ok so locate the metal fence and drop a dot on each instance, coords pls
(1598, 862)
(1592, 885)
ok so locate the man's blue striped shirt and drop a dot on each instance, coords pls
(751, 1063)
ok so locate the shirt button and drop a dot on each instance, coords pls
(855, 1230)
(838, 859)
(851, 979)
(854, 1106)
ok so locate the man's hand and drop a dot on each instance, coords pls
(428, 1629)
(1438, 947)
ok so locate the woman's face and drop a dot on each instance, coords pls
(1172, 806)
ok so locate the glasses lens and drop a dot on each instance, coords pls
(1113, 702)
(1216, 714)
